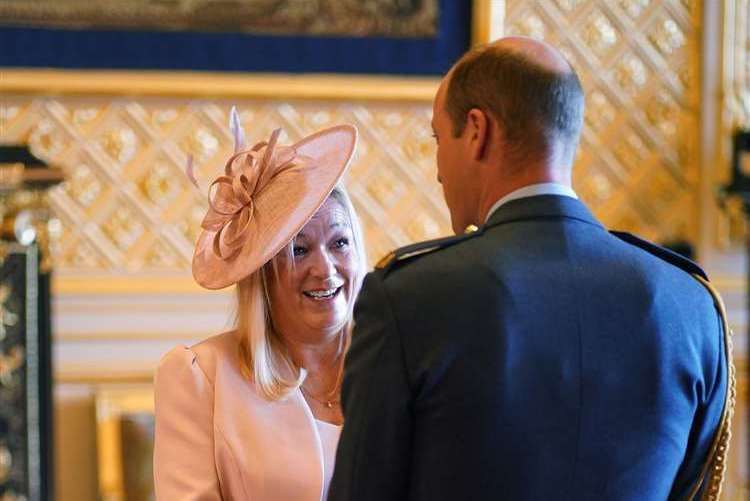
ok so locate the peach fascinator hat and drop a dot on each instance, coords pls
(265, 196)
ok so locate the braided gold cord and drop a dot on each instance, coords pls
(713, 471)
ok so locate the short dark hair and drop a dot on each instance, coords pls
(534, 105)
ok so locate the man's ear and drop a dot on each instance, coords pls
(478, 125)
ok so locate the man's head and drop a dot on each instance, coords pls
(508, 114)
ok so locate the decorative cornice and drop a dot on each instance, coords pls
(97, 378)
(209, 85)
(114, 284)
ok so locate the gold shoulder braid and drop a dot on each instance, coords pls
(385, 260)
(712, 473)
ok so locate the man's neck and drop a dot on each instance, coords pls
(499, 188)
(533, 190)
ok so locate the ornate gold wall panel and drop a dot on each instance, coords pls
(127, 206)
(638, 163)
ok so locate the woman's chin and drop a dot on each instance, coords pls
(325, 313)
(330, 324)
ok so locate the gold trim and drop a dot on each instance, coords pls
(385, 260)
(145, 376)
(218, 85)
(126, 336)
(107, 284)
(111, 404)
(487, 20)
(713, 472)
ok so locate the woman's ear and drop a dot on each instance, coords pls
(478, 133)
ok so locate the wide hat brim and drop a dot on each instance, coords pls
(282, 208)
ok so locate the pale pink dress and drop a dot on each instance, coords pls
(218, 439)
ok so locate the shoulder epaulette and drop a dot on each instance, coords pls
(667, 255)
(408, 252)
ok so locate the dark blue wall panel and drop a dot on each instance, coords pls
(184, 50)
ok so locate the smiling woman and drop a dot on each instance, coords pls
(313, 287)
(255, 412)
(304, 298)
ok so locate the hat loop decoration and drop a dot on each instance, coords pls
(264, 197)
(231, 205)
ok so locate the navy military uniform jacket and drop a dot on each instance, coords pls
(538, 358)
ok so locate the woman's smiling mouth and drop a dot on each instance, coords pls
(322, 294)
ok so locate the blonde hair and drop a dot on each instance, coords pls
(264, 356)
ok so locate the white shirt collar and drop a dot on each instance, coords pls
(533, 190)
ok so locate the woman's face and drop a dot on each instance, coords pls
(311, 297)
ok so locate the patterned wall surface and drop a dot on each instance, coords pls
(638, 164)
(127, 205)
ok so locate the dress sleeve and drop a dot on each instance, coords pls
(184, 466)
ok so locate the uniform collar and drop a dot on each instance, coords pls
(531, 191)
(542, 206)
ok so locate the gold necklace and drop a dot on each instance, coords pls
(328, 401)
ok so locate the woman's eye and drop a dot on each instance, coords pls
(299, 250)
(340, 243)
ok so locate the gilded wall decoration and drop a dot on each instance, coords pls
(392, 18)
(638, 165)
(128, 207)
(733, 226)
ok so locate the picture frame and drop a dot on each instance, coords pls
(124, 431)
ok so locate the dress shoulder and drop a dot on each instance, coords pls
(205, 356)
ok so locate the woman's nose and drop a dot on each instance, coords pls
(323, 265)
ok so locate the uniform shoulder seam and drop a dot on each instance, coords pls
(662, 253)
(409, 252)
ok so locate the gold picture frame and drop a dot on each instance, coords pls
(124, 420)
